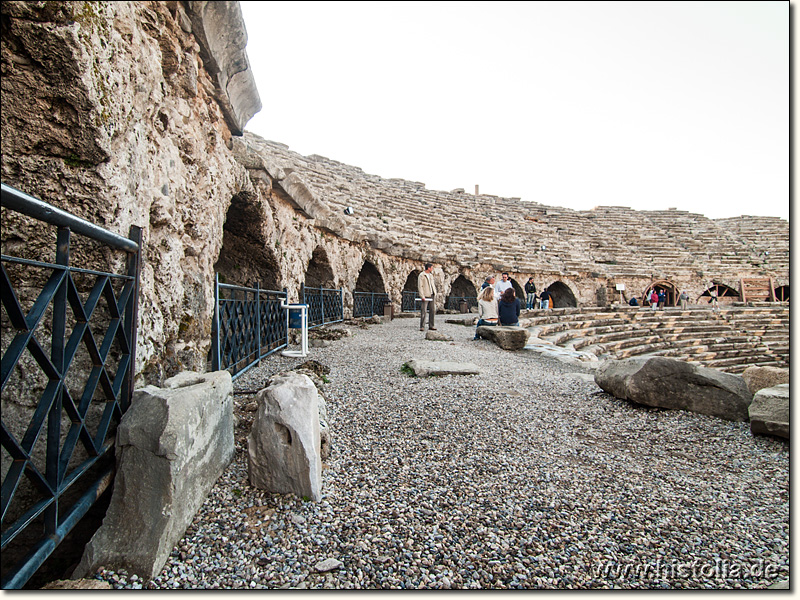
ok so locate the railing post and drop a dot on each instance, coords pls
(258, 320)
(215, 356)
(132, 313)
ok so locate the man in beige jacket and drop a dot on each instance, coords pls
(427, 290)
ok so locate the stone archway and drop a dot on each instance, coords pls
(561, 294)
(370, 279)
(782, 293)
(461, 289)
(319, 273)
(245, 258)
(408, 301)
(725, 294)
(669, 287)
(518, 290)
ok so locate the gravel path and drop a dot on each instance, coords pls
(525, 476)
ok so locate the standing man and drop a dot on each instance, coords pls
(502, 285)
(488, 282)
(530, 293)
(684, 298)
(427, 290)
(544, 299)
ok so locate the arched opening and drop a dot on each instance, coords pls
(409, 303)
(519, 292)
(782, 293)
(462, 290)
(725, 294)
(319, 273)
(668, 287)
(369, 297)
(561, 294)
(245, 258)
(370, 279)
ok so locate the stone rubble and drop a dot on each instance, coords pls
(523, 476)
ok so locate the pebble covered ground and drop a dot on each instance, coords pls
(525, 476)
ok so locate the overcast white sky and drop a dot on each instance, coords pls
(577, 104)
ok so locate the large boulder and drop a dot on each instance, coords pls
(173, 443)
(769, 411)
(669, 383)
(284, 443)
(508, 338)
(758, 378)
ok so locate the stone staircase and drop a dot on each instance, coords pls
(730, 339)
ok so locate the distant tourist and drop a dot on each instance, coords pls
(684, 298)
(426, 288)
(489, 281)
(544, 299)
(501, 286)
(633, 301)
(487, 309)
(713, 300)
(508, 308)
(654, 299)
(662, 299)
(530, 293)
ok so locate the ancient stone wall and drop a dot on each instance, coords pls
(132, 113)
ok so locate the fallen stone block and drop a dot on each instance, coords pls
(173, 443)
(283, 447)
(428, 368)
(758, 378)
(669, 383)
(769, 411)
(508, 338)
(435, 336)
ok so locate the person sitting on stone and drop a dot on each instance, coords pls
(508, 308)
(487, 309)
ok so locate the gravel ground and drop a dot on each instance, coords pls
(525, 476)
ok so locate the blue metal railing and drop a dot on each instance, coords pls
(324, 305)
(454, 302)
(410, 301)
(366, 304)
(248, 325)
(78, 335)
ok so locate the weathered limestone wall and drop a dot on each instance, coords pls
(118, 112)
(129, 113)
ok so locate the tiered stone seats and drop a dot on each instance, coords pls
(509, 233)
(730, 339)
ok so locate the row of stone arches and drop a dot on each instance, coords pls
(724, 293)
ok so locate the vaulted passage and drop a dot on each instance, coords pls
(245, 258)
(410, 292)
(668, 287)
(319, 273)
(782, 293)
(561, 294)
(462, 290)
(724, 294)
(370, 280)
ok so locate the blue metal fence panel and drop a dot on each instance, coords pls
(249, 324)
(325, 306)
(79, 335)
(454, 302)
(366, 304)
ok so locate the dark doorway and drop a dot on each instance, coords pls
(562, 295)
(725, 294)
(519, 292)
(370, 280)
(668, 287)
(245, 258)
(319, 273)
(409, 303)
(782, 293)
(462, 290)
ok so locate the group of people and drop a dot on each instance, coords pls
(497, 302)
(658, 299)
